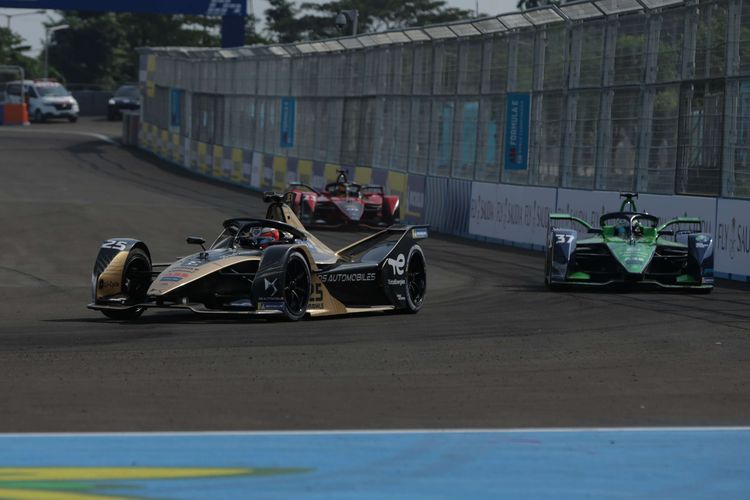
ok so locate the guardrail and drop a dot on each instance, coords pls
(595, 96)
(500, 213)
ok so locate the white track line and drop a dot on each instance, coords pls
(553, 430)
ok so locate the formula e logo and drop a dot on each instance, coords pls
(271, 284)
(224, 7)
(397, 264)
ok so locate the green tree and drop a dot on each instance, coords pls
(282, 21)
(378, 15)
(12, 54)
(100, 48)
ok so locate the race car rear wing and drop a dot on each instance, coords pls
(296, 184)
(589, 227)
(380, 244)
(680, 220)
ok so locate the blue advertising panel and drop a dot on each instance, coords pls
(200, 7)
(287, 122)
(518, 113)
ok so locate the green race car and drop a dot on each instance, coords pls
(630, 247)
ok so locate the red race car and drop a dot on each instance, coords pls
(342, 203)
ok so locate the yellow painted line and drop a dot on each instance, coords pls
(14, 494)
(113, 473)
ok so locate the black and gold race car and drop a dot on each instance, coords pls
(270, 266)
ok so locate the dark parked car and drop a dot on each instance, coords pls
(126, 97)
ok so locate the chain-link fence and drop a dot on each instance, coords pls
(644, 95)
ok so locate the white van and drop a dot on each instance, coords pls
(46, 99)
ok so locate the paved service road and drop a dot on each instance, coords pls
(491, 348)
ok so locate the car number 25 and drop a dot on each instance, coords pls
(115, 244)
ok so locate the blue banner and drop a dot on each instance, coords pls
(287, 122)
(200, 7)
(518, 112)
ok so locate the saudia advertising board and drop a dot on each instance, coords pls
(518, 214)
(201, 7)
(732, 244)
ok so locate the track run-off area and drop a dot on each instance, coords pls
(492, 353)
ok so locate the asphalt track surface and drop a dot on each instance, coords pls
(490, 349)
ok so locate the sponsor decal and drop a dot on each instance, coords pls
(174, 276)
(316, 296)
(271, 285)
(400, 282)
(115, 244)
(220, 8)
(734, 238)
(271, 305)
(702, 241)
(185, 271)
(517, 131)
(108, 284)
(397, 264)
(191, 263)
(419, 233)
(347, 277)
(512, 213)
(287, 122)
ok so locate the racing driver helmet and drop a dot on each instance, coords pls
(266, 236)
(260, 237)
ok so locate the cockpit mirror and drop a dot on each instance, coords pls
(196, 240)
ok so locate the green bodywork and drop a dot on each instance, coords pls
(632, 243)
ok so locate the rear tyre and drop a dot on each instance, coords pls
(416, 280)
(38, 116)
(72, 119)
(136, 278)
(296, 287)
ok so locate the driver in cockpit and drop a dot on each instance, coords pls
(622, 229)
(260, 237)
(637, 229)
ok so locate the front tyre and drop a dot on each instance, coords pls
(297, 284)
(416, 280)
(136, 278)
